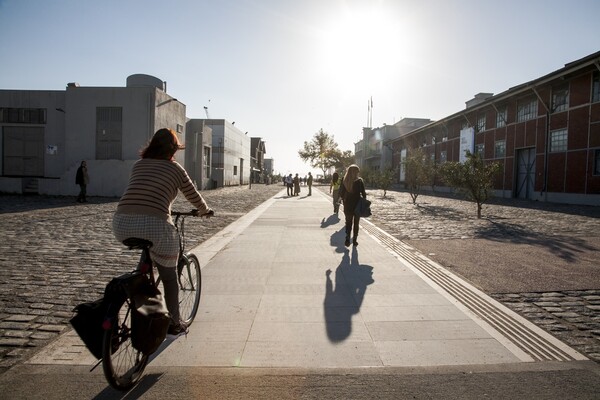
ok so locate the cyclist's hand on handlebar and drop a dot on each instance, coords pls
(208, 214)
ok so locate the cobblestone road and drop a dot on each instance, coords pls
(55, 253)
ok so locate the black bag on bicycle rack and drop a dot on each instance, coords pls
(149, 318)
(88, 322)
(93, 318)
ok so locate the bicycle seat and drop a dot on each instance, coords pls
(137, 243)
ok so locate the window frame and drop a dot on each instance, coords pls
(527, 109)
(562, 141)
(480, 124)
(501, 118)
(560, 98)
(596, 87)
(501, 142)
(480, 150)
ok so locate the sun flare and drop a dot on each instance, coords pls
(363, 47)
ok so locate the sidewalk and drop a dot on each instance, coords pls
(269, 301)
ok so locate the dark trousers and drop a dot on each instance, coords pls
(171, 289)
(352, 222)
(82, 193)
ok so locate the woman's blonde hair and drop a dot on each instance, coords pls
(350, 176)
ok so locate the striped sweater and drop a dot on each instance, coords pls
(153, 187)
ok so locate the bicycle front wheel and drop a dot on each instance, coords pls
(190, 286)
(123, 365)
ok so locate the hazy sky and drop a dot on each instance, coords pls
(283, 69)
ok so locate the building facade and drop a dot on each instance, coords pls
(545, 134)
(374, 150)
(198, 153)
(46, 134)
(257, 150)
(231, 163)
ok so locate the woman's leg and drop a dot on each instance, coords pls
(349, 218)
(355, 230)
(171, 288)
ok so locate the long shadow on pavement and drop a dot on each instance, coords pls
(345, 300)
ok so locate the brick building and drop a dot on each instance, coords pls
(545, 133)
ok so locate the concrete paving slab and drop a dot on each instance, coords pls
(269, 301)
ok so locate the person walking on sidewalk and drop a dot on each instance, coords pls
(82, 179)
(334, 190)
(351, 189)
(309, 183)
(296, 185)
(289, 183)
(144, 211)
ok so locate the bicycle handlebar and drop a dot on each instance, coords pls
(193, 213)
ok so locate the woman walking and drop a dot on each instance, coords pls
(351, 190)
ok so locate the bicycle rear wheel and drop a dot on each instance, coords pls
(123, 365)
(190, 286)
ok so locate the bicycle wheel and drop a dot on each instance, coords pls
(190, 286)
(123, 365)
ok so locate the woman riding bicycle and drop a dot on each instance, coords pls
(144, 211)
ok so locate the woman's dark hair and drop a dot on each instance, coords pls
(335, 177)
(163, 145)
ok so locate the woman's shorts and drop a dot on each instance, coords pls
(162, 234)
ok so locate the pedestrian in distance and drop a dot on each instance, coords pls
(351, 190)
(289, 183)
(144, 211)
(296, 185)
(82, 179)
(334, 190)
(309, 182)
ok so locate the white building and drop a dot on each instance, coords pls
(231, 161)
(46, 134)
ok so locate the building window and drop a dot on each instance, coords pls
(179, 128)
(206, 166)
(560, 99)
(501, 118)
(597, 162)
(109, 132)
(500, 149)
(527, 109)
(443, 156)
(23, 115)
(558, 140)
(596, 87)
(480, 127)
(480, 150)
(235, 170)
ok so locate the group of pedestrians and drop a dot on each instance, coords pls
(293, 184)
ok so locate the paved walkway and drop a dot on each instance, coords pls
(281, 290)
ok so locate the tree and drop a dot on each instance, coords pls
(344, 159)
(474, 178)
(419, 171)
(321, 152)
(384, 179)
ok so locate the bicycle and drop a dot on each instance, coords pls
(122, 363)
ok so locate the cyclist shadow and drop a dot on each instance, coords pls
(145, 383)
(345, 300)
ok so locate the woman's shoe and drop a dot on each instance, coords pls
(354, 242)
(347, 242)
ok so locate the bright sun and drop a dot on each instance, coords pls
(362, 48)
